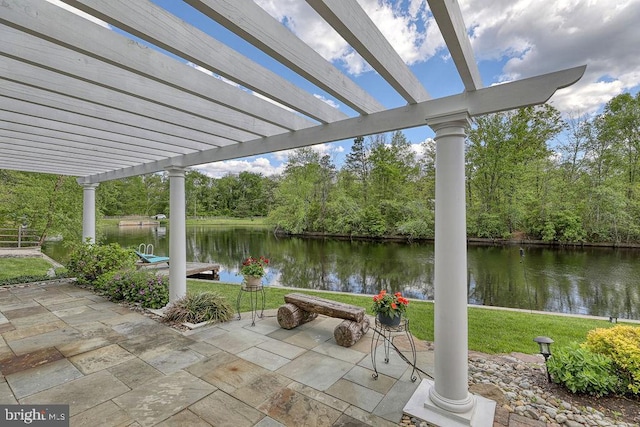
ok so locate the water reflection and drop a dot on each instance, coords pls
(581, 281)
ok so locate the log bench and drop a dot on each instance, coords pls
(299, 309)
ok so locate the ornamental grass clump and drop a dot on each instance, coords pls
(199, 307)
(254, 267)
(391, 305)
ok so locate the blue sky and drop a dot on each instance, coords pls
(512, 39)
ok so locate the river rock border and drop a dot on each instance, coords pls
(507, 379)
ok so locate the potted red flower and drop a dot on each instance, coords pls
(253, 269)
(389, 307)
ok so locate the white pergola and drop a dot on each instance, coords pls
(84, 100)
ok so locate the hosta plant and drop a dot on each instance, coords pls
(582, 371)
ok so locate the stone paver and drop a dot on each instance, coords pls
(43, 356)
(158, 399)
(184, 418)
(100, 358)
(355, 394)
(134, 372)
(263, 358)
(30, 381)
(233, 375)
(261, 388)
(315, 370)
(176, 360)
(222, 410)
(105, 413)
(82, 393)
(295, 409)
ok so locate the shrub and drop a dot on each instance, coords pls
(60, 274)
(142, 287)
(622, 344)
(582, 371)
(199, 307)
(87, 262)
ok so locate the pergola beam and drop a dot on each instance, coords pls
(252, 23)
(155, 25)
(535, 90)
(73, 118)
(58, 101)
(59, 68)
(449, 19)
(355, 26)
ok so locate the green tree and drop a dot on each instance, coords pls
(303, 196)
(49, 204)
(507, 157)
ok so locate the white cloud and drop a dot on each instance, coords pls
(274, 164)
(513, 39)
(80, 13)
(329, 148)
(260, 165)
(536, 38)
(328, 101)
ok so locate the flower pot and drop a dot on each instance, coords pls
(388, 320)
(252, 282)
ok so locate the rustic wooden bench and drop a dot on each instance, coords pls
(299, 309)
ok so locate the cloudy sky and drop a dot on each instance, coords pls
(512, 39)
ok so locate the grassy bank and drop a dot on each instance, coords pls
(490, 331)
(227, 221)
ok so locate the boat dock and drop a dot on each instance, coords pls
(195, 270)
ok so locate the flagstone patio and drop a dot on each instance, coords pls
(113, 366)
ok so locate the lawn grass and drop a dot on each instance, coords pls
(490, 331)
(226, 221)
(19, 267)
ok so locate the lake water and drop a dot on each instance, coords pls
(595, 281)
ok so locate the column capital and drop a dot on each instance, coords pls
(454, 118)
(176, 171)
(89, 186)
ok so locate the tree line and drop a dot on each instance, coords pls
(529, 174)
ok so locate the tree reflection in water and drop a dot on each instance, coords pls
(595, 281)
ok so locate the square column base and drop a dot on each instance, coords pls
(420, 406)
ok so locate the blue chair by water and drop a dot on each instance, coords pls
(145, 253)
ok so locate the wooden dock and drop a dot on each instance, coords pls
(195, 270)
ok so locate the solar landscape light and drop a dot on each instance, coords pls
(545, 350)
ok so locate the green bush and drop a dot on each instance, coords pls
(146, 288)
(199, 307)
(30, 278)
(87, 262)
(582, 371)
(622, 344)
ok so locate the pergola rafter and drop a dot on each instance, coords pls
(80, 99)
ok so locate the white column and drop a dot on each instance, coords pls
(89, 212)
(446, 401)
(450, 269)
(177, 235)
